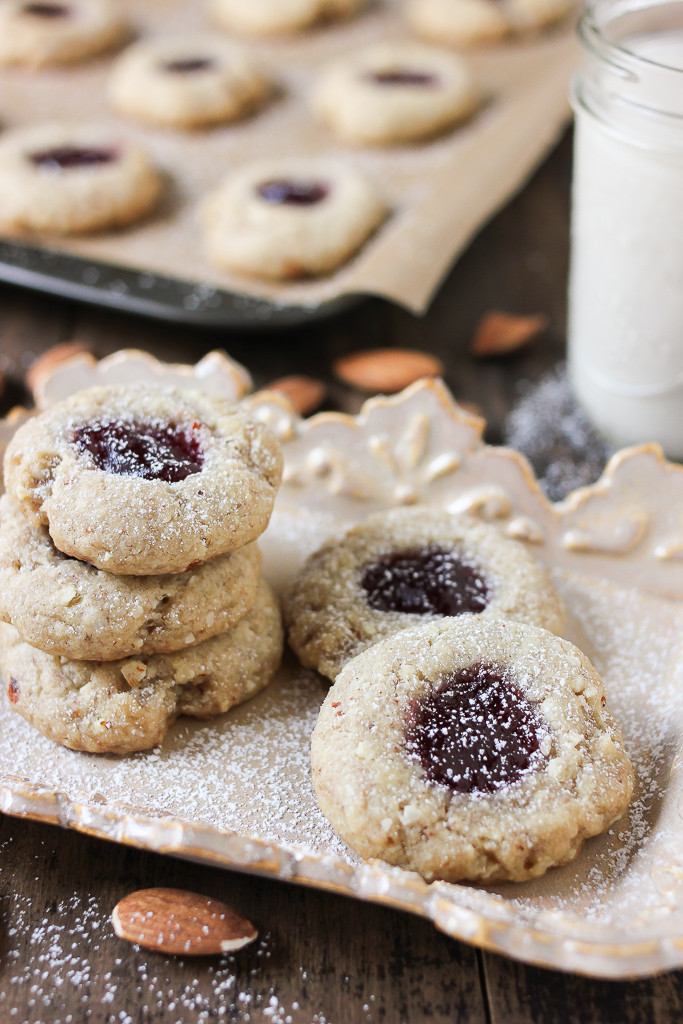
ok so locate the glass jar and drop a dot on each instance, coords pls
(626, 275)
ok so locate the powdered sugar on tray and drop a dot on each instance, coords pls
(621, 878)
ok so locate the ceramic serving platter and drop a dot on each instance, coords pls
(237, 792)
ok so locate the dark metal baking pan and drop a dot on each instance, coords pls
(152, 295)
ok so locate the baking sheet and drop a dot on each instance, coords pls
(236, 791)
(440, 193)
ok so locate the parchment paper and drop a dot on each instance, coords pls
(440, 192)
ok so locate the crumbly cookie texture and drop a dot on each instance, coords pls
(463, 795)
(67, 179)
(143, 481)
(393, 93)
(118, 707)
(466, 23)
(58, 31)
(186, 82)
(290, 218)
(65, 606)
(279, 17)
(394, 571)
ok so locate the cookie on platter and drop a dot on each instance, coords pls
(118, 707)
(145, 481)
(470, 748)
(405, 566)
(68, 607)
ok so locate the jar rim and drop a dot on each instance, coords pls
(599, 15)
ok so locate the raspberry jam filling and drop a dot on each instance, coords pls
(402, 77)
(46, 10)
(153, 451)
(63, 158)
(284, 191)
(477, 732)
(435, 581)
(188, 65)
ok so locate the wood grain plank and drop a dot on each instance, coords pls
(521, 994)
(319, 958)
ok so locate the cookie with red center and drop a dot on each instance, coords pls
(470, 748)
(290, 218)
(394, 93)
(68, 179)
(186, 82)
(404, 567)
(142, 481)
(58, 31)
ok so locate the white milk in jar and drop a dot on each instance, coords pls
(626, 277)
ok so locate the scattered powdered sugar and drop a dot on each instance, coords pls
(554, 433)
(246, 772)
(66, 940)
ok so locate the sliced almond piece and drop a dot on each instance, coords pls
(180, 922)
(305, 393)
(386, 370)
(500, 333)
(43, 366)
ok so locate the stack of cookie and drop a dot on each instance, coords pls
(129, 571)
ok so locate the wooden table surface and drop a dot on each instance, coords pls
(320, 959)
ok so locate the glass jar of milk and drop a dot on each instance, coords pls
(626, 277)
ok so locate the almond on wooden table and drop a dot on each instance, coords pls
(43, 366)
(305, 393)
(180, 922)
(386, 370)
(500, 333)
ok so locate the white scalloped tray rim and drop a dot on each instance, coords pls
(420, 446)
(489, 922)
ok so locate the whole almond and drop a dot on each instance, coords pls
(386, 370)
(500, 333)
(43, 366)
(305, 393)
(180, 922)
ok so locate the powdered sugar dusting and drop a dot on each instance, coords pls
(556, 436)
(68, 939)
(246, 772)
